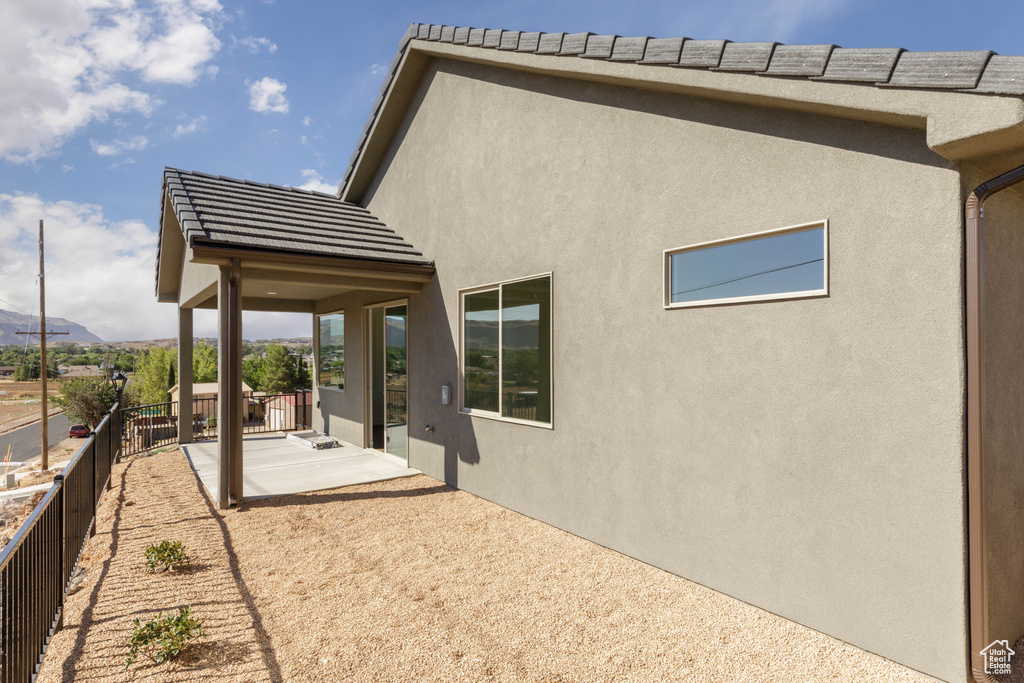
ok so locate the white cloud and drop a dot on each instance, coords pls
(139, 142)
(317, 183)
(255, 45)
(192, 127)
(267, 95)
(306, 120)
(379, 69)
(67, 167)
(98, 273)
(62, 63)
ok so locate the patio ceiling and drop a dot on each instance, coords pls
(295, 250)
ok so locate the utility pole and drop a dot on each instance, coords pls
(42, 333)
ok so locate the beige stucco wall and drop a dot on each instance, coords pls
(1004, 406)
(803, 456)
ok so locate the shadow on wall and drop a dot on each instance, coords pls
(435, 354)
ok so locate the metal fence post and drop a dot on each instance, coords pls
(62, 544)
(92, 503)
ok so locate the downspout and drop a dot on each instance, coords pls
(976, 527)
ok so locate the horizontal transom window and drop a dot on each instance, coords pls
(788, 263)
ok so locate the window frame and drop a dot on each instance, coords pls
(750, 237)
(316, 349)
(486, 414)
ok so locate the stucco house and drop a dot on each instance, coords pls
(204, 399)
(728, 308)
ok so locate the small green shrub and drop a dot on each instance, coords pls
(163, 638)
(166, 555)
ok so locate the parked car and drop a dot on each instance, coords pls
(78, 431)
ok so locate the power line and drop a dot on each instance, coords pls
(18, 307)
(745, 277)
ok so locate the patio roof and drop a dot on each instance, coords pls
(294, 247)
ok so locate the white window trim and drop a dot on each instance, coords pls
(316, 351)
(476, 412)
(808, 294)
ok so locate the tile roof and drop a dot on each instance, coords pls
(219, 211)
(979, 71)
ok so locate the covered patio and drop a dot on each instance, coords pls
(234, 245)
(277, 466)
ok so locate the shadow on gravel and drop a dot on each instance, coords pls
(266, 652)
(337, 496)
(70, 666)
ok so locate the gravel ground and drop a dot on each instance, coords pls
(407, 580)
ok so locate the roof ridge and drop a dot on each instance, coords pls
(978, 71)
(229, 179)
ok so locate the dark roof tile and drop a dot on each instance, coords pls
(746, 57)
(702, 54)
(476, 37)
(945, 70)
(550, 43)
(599, 47)
(799, 60)
(861, 65)
(228, 212)
(574, 43)
(1003, 75)
(663, 51)
(529, 41)
(492, 38)
(509, 40)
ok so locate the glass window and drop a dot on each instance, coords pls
(330, 366)
(506, 350)
(781, 264)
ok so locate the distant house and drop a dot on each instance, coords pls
(283, 411)
(7, 370)
(204, 397)
(717, 306)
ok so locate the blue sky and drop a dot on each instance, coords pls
(100, 95)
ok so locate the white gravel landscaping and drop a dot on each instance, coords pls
(406, 580)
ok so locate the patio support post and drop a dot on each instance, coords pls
(185, 410)
(229, 385)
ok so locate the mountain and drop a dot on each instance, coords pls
(11, 322)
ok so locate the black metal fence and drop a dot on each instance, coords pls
(395, 406)
(148, 427)
(37, 565)
(522, 406)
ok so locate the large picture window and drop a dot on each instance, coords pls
(506, 350)
(779, 264)
(330, 362)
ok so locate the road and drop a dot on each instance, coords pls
(25, 442)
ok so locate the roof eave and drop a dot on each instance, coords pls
(960, 123)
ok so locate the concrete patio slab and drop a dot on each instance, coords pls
(275, 466)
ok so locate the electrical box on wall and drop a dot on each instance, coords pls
(446, 394)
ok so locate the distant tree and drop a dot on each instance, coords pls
(281, 372)
(204, 363)
(254, 372)
(304, 379)
(85, 399)
(26, 372)
(151, 374)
